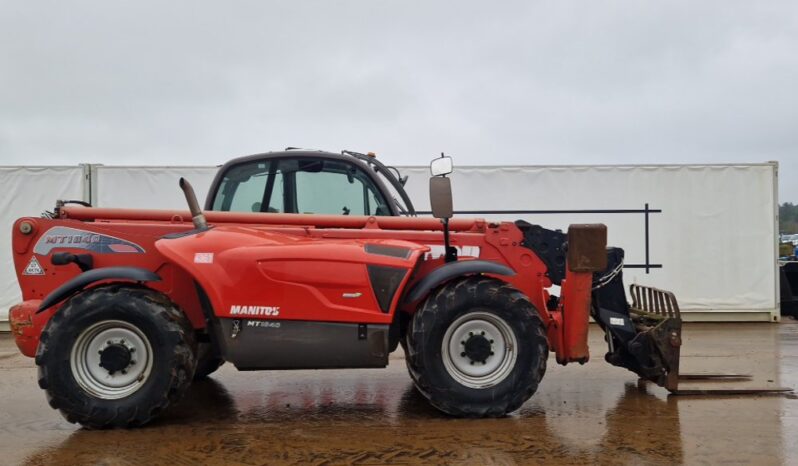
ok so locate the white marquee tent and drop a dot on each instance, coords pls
(706, 232)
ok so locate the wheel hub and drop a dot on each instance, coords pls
(478, 348)
(115, 357)
(111, 359)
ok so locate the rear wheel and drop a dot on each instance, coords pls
(477, 348)
(116, 356)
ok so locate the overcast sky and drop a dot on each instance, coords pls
(496, 83)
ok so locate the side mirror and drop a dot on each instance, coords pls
(441, 166)
(440, 196)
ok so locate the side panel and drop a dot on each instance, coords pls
(110, 245)
(252, 273)
(260, 344)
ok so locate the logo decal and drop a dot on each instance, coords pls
(254, 311)
(617, 321)
(64, 237)
(34, 267)
(203, 258)
(263, 324)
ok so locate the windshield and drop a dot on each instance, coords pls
(394, 193)
(293, 185)
(391, 178)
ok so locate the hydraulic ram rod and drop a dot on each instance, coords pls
(321, 221)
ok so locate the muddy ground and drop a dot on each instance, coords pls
(580, 415)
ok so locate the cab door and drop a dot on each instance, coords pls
(331, 187)
(309, 185)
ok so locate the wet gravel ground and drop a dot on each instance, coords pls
(592, 414)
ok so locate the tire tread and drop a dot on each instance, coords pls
(460, 293)
(176, 326)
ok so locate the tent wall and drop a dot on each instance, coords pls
(30, 191)
(147, 187)
(709, 234)
(706, 232)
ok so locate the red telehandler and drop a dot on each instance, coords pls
(309, 260)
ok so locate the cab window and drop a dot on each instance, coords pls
(243, 187)
(332, 187)
(302, 185)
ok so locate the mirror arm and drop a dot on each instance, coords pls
(451, 252)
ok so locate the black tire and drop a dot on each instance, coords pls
(208, 360)
(458, 302)
(145, 314)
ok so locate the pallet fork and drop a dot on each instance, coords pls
(648, 342)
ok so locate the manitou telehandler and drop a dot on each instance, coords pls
(311, 260)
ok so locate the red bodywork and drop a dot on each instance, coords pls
(288, 266)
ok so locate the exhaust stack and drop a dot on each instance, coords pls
(196, 214)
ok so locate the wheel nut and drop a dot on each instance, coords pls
(124, 371)
(491, 342)
(491, 353)
(134, 362)
(483, 333)
(462, 354)
(133, 350)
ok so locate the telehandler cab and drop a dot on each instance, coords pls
(309, 260)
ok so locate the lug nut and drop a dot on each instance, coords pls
(491, 353)
(462, 354)
(483, 333)
(133, 350)
(134, 362)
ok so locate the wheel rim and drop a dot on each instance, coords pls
(479, 349)
(111, 359)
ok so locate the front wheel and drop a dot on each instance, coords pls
(477, 348)
(116, 356)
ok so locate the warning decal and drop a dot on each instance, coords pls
(203, 258)
(34, 267)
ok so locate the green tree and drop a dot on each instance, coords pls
(788, 218)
